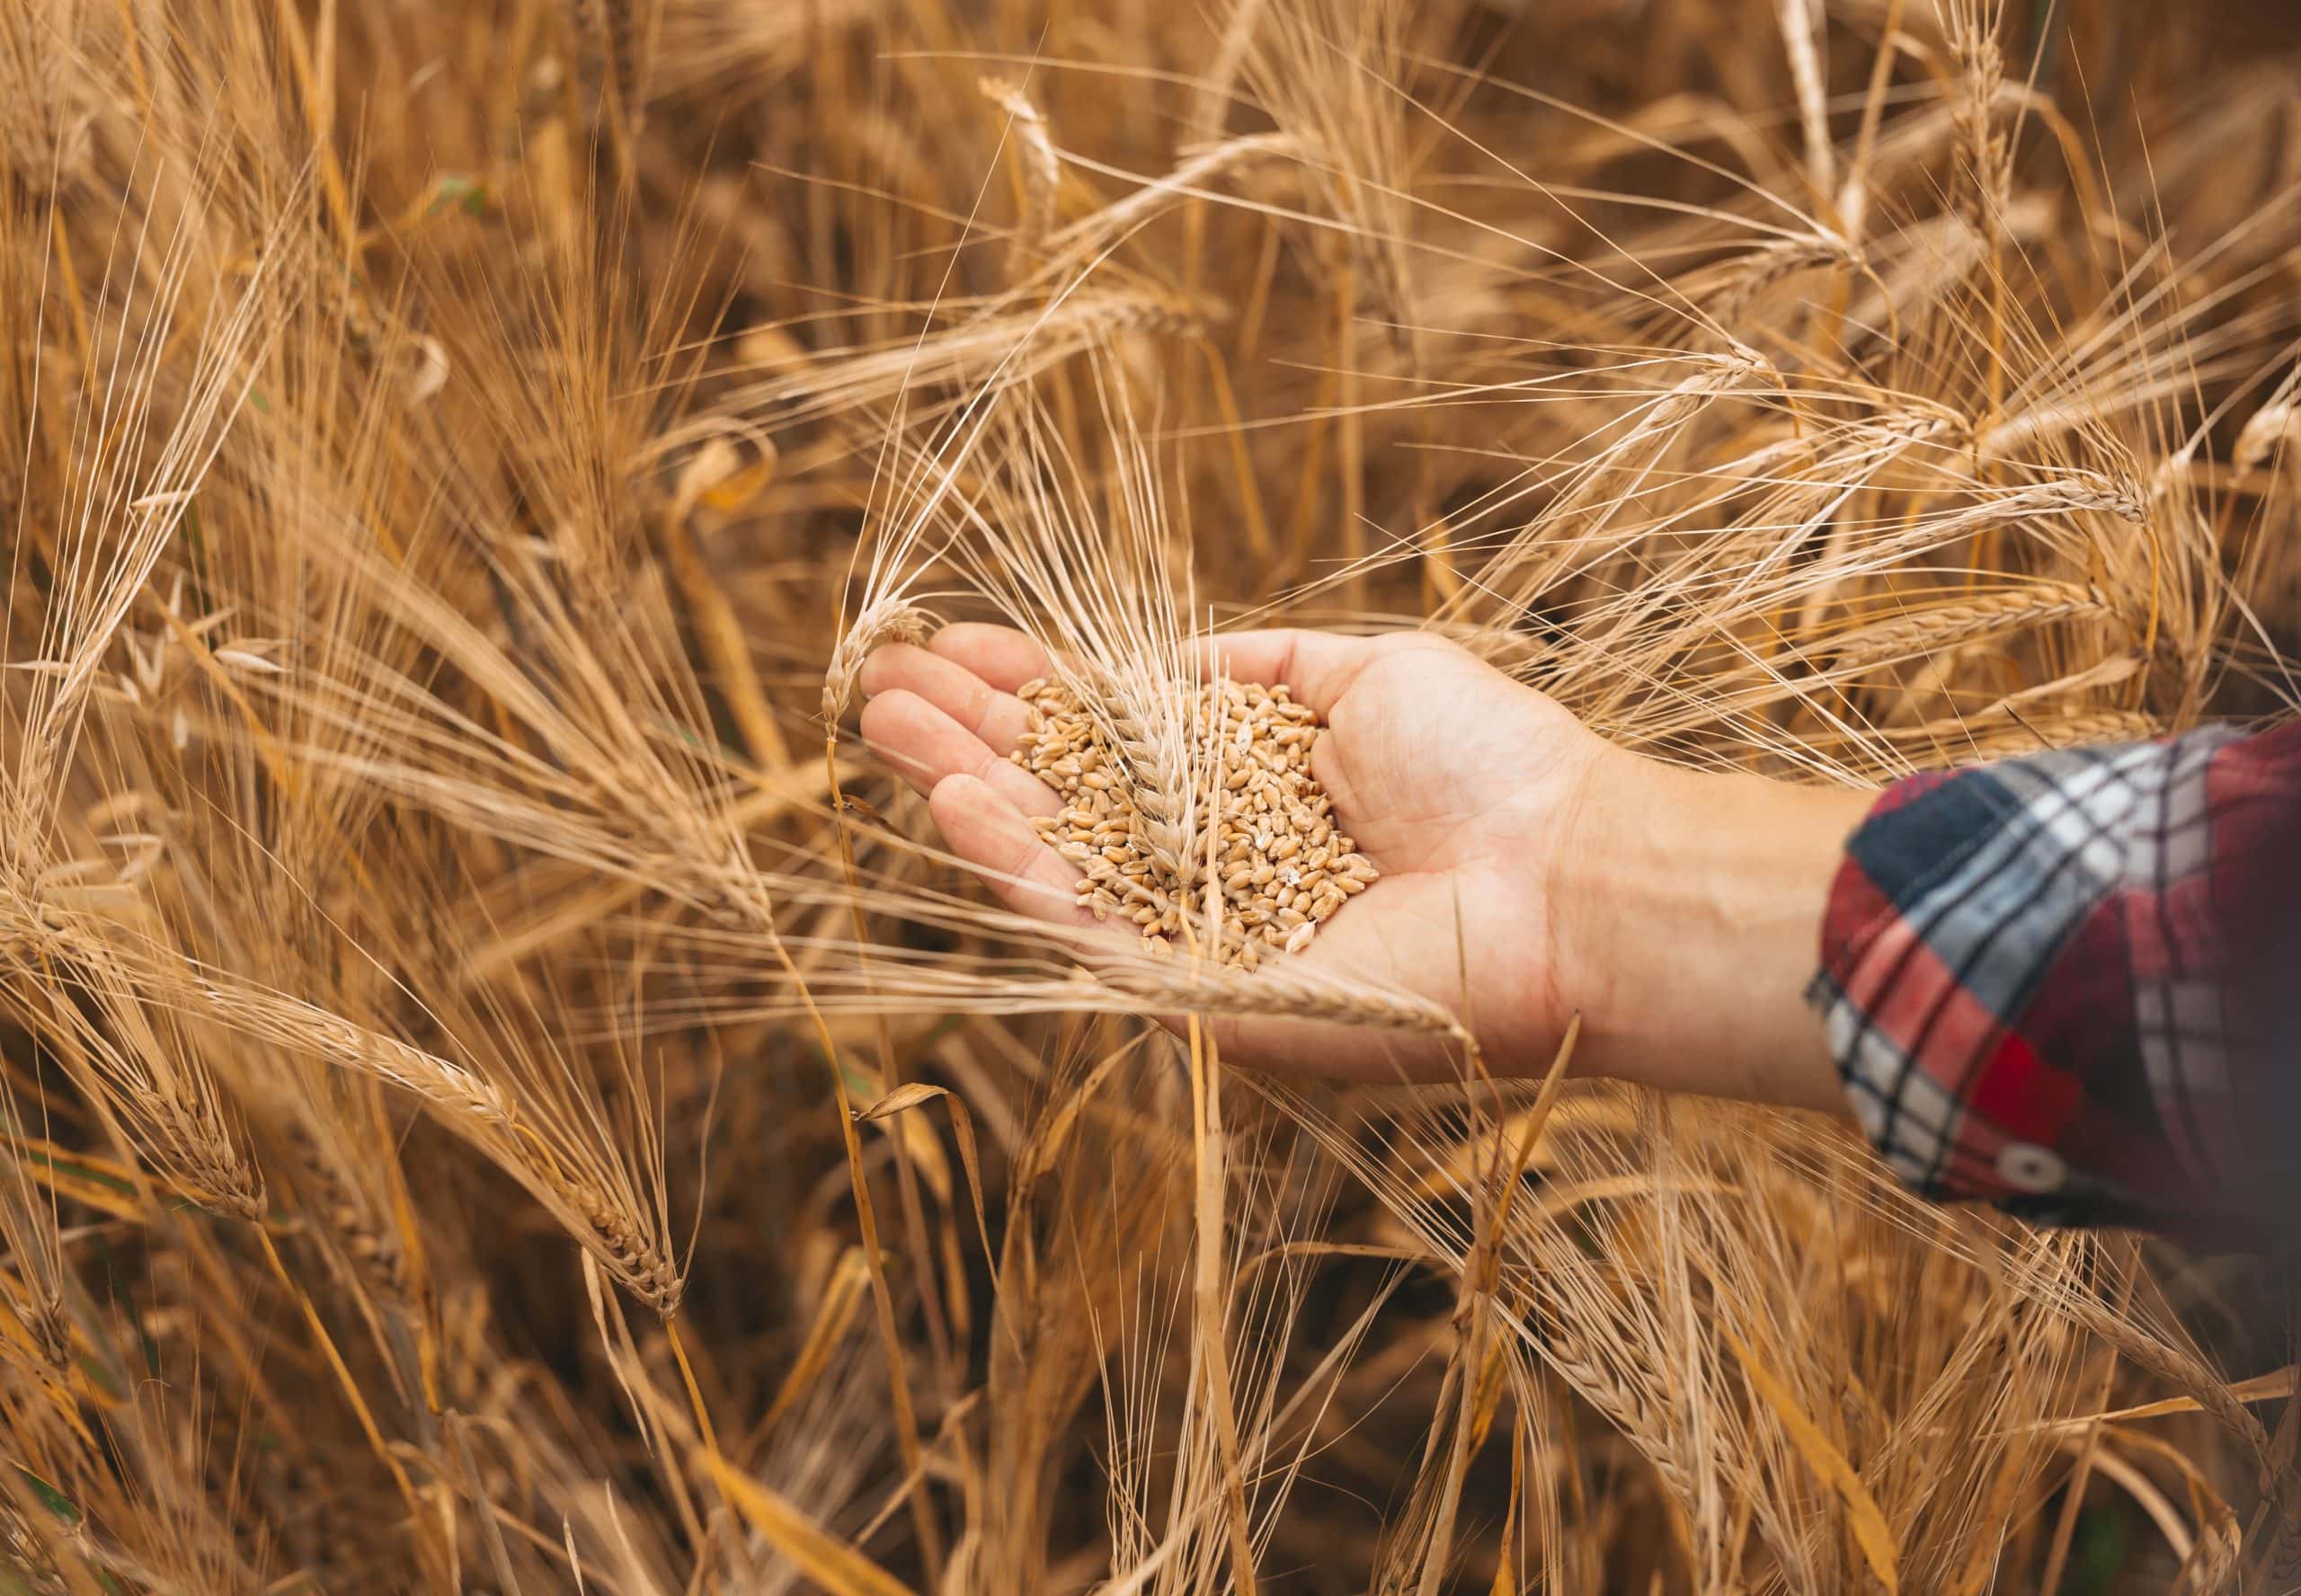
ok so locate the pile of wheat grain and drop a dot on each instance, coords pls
(1283, 866)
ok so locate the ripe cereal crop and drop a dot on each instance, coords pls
(504, 1083)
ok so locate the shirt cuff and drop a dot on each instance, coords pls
(1987, 1006)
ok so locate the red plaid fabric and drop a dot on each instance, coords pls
(2044, 981)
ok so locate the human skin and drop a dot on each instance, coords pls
(1529, 870)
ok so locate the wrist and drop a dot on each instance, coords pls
(1691, 918)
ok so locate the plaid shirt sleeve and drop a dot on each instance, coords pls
(2043, 985)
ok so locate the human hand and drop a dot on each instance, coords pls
(1530, 871)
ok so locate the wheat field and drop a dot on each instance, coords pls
(501, 1091)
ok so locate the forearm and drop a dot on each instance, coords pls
(1706, 895)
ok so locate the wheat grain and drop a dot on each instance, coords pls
(341, 1199)
(1285, 867)
(1944, 625)
(884, 620)
(2273, 431)
(1041, 166)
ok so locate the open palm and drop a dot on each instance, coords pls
(1464, 788)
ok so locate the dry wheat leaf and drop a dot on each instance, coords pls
(910, 1096)
(838, 1568)
(1872, 1533)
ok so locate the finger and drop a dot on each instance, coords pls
(1000, 655)
(1317, 668)
(989, 833)
(926, 747)
(997, 719)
